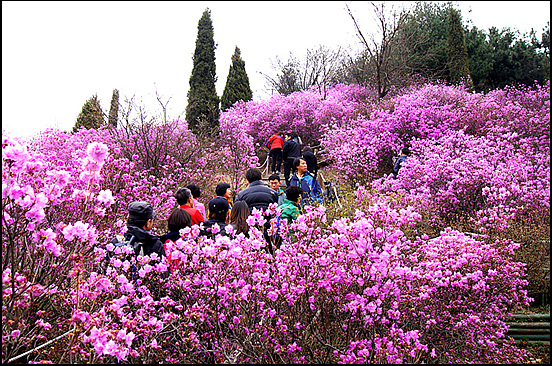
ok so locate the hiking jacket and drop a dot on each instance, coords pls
(290, 211)
(257, 195)
(150, 243)
(197, 217)
(291, 150)
(312, 192)
(275, 142)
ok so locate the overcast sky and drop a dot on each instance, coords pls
(56, 55)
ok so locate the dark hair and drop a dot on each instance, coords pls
(293, 193)
(307, 148)
(297, 162)
(219, 216)
(274, 176)
(182, 196)
(179, 219)
(238, 217)
(253, 174)
(194, 188)
(405, 150)
(221, 189)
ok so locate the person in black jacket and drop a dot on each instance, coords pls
(139, 225)
(312, 162)
(257, 194)
(290, 151)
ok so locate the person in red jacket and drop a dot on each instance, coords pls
(185, 200)
(275, 144)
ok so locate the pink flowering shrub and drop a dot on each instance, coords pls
(369, 288)
(344, 293)
(307, 113)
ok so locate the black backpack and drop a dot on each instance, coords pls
(120, 241)
(330, 192)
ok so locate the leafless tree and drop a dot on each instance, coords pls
(319, 68)
(383, 51)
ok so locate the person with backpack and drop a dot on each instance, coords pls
(275, 144)
(290, 151)
(312, 192)
(139, 225)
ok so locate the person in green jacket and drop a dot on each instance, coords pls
(290, 207)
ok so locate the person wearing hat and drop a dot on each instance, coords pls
(139, 225)
(218, 213)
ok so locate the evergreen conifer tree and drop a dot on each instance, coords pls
(91, 115)
(114, 110)
(457, 52)
(202, 112)
(237, 84)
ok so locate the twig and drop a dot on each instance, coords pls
(39, 347)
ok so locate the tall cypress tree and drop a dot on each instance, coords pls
(91, 115)
(202, 112)
(114, 110)
(457, 52)
(237, 84)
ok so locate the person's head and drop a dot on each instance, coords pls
(179, 219)
(300, 165)
(293, 193)
(274, 181)
(238, 217)
(183, 196)
(253, 174)
(218, 208)
(194, 188)
(307, 148)
(287, 136)
(223, 190)
(405, 151)
(140, 214)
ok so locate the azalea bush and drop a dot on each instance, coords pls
(357, 291)
(421, 269)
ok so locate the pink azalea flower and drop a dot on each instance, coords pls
(105, 197)
(97, 151)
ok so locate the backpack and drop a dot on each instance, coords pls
(136, 246)
(330, 192)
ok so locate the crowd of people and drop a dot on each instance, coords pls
(225, 216)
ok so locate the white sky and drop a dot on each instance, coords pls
(56, 55)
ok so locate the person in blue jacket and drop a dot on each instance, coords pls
(312, 192)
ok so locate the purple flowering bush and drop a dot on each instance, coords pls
(367, 287)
